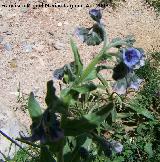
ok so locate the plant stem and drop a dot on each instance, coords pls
(13, 141)
(60, 156)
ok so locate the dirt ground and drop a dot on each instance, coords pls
(36, 41)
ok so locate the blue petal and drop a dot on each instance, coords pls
(95, 14)
(120, 87)
(117, 146)
(135, 84)
(131, 57)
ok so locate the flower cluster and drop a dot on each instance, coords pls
(109, 146)
(123, 73)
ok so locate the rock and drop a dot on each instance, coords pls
(27, 47)
(8, 46)
(59, 24)
(9, 125)
(58, 45)
(13, 63)
(1, 39)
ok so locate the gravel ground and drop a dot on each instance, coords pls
(33, 42)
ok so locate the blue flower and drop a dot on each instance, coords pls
(59, 73)
(131, 80)
(95, 14)
(48, 130)
(135, 84)
(133, 58)
(117, 146)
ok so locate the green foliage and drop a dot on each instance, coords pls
(74, 124)
(141, 143)
(149, 97)
(87, 122)
(155, 4)
(34, 108)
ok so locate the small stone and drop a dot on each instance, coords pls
(8, 46)
(13, 63)
(27, 47)
(59, 24)
(8, 33)
(58, 45)
(1, 39)
(11, 126)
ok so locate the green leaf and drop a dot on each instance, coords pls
(92, 75)
(91, 36)
(34, 108)
(93, 39)
(140, 110)
(53, 101)
(86, 123)
(45, 155)
(148, 149)
(124, 115)
(130, 40)
(78, 63)
(50, 93)
(103, 143)
(69, 96)
(116, 40)
(85, 88)
(72, 153)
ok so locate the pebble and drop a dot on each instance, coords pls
(11, 126)
(1, 39)
(58, 45)
(13, 63)
(8, 46)
(59, 24)
(27, 48)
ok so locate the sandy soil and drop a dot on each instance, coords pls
(36, 41)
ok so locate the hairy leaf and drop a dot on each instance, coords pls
(34, 108)
(87, 122)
